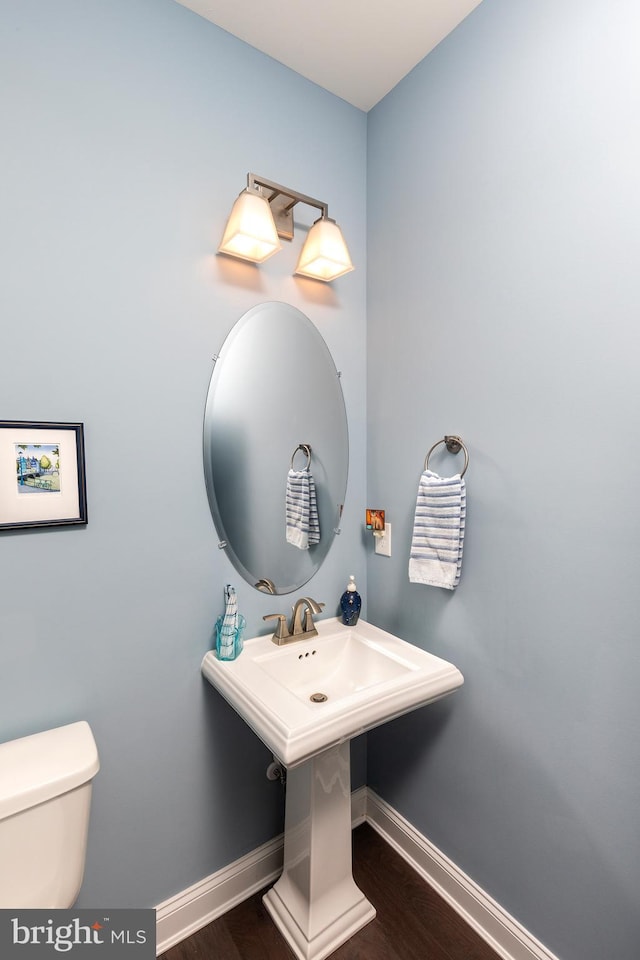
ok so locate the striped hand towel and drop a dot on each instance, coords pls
(438, 531)
(303, 525)
(229, 629)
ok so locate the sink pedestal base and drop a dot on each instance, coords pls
(315, 904)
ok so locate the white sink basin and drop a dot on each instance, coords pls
(368, 676)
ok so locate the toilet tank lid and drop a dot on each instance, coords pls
(45, 765)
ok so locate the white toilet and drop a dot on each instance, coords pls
(45, 796)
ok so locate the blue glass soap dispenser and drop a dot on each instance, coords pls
(350, 603)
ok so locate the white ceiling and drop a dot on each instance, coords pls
(357, 49)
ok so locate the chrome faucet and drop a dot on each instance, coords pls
(298, 630)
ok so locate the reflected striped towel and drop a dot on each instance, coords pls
(438, 531)
(303, 525)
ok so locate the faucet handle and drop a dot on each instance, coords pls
(282, 630)
(308, 616)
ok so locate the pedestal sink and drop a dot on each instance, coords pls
(305, 701)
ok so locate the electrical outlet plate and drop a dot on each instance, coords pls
(383, 541)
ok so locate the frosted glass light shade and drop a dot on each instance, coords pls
(324, 255)
(250, 232)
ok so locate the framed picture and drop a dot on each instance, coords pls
(375, 520)
(42, 474)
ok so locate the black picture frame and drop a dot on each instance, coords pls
(42, 474)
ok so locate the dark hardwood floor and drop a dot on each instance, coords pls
(412, 923)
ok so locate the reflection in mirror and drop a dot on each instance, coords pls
(274, 388)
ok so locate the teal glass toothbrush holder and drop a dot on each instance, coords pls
(229, 640)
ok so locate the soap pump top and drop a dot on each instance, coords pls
(350, 603)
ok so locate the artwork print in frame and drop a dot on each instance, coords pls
(42, 474)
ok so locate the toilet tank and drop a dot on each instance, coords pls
(45, 797)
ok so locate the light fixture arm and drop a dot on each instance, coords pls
(282, 200)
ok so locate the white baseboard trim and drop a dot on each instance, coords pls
(189, 911)
(359, 806)
(180, 916)
(501, 931)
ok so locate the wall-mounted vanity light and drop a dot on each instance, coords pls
(264, 212)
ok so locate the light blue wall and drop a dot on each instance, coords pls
(504, 243)
(128, 129)
(507, 164)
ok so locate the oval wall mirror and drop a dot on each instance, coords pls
(274, 387)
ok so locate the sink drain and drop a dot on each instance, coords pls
(318, 697)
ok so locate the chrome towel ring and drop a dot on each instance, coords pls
(453, 445)
(305, 449)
